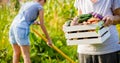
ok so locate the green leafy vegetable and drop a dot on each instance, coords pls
(100, 24)
(84, 17)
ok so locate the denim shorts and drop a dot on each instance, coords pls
(19, 36)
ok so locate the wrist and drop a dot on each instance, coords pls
(115, 20)
(112, 19)
(38, 22)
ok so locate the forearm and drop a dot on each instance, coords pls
(116, 14)
(45, 31)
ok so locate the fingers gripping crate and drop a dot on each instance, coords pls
(85, 34)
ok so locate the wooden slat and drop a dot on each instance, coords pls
(86, 34)
(79, 27)
(81, 35)
(84, 41)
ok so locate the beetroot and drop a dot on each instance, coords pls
(97, 15)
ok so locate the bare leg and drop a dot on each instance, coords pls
(16, 53)
(26, 53)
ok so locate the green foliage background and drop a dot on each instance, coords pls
(56, 13)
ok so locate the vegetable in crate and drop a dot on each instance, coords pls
(84, 17)
(97, 15)
(100, 24)
(93, 20)
(74, 21)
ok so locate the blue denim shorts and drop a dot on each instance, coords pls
(19, 36)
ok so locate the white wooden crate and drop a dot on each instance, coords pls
(79, 34)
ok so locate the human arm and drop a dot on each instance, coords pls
(116, 13)
(113, 20)
(41, 17)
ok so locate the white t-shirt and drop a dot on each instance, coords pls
(104, 7)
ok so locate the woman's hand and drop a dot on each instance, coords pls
(113, 20)
(108, 20)
(49, 43)
(36, 23)
(74, 22)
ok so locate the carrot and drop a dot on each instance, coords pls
(93, 19)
